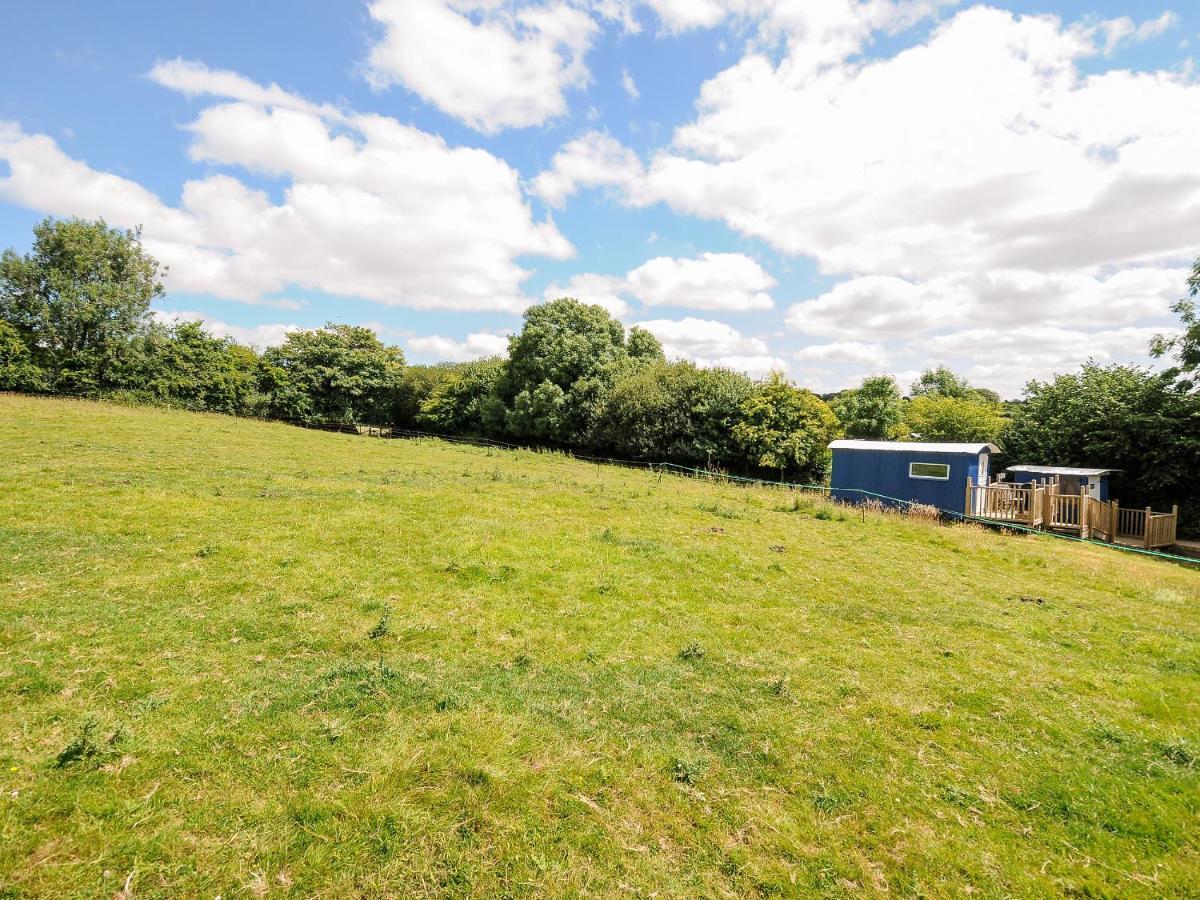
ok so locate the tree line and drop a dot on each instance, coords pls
(75, 318)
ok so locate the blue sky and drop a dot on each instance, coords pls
(829, 187)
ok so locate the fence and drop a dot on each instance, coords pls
(1041, 505)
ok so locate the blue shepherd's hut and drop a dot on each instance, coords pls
(933, 474)
(1093, 482)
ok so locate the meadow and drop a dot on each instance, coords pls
(244, 659)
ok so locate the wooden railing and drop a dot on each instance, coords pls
(1037, 505)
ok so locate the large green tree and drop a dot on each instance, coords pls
(339, 373)
(937, 418)
(787, 430)
(184, 365)
(79, 299)
(1185, 346)
(945, 382)
(872, 411)
(463, 400)
(560, 365)
(674, 412)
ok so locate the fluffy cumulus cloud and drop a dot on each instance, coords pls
(608, 291)
(872, 356)
(711, 281)
(990, 172)
(493, 65)
(475, 346)
(710, 343)
(370, 207)
(591, 160)
(731, 281)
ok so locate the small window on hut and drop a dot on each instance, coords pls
(936, 471)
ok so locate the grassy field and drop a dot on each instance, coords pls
(245, 659)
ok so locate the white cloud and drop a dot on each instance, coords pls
(371, 207)
(873, 356)
(711, 281)
(1005, 358)
(595, 159)
(1116, 31)
(710, 343)
(730, 281)
(883, 307)
(476, 346)
(254, 335)
(489, 63)
(602, 290)
(629, 85)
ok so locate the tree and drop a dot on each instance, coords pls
(937, 418)
(339, 373)
(943, 382)
(1185, 347)
(786, 429)
(560, 365)
(417, 385)
(465, 400)
(186, 366)
(872, 411)
(1121, 417)
(79, 299)
(674, 412)
(17, 371)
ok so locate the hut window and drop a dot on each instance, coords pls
(936, 471)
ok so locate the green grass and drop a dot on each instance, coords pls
(243, 659)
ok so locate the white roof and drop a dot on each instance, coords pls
(1059, 470)
(914, 447)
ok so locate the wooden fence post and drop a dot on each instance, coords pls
(1146, 538)
(967, 509)
(1084, 507)
(1116, 521)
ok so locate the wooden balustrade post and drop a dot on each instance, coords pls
(1083, 513)
(968, 510)
(1116, 521)
(1149, 513)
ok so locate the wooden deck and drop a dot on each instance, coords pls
(1042, 506)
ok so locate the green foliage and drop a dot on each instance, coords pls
(674, 412)
(78, 299)
(1120, 417)
(934, 417)
(560, 366)
(417, 385)
(943, 382)
(182, 365)
(339, 373)
(787, 429)
(872, 411)
(1185, 347)
(17, 371)
(464, 400)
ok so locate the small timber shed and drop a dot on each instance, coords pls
(933, 474)
(1093, 482)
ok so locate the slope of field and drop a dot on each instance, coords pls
(245, 659)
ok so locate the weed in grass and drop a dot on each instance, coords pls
(823, 514)
(382, 628)
(717, 509)
(82, 747)
(691, 651)
(1178, 752)
(777, 685)
(687, 770)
